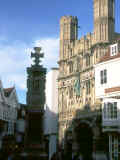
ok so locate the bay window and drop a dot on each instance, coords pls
(110, 110)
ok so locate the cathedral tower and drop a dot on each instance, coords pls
(104, 20)
(68, 33)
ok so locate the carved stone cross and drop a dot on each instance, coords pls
(37, 55)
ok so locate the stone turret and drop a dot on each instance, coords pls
(104, 20)
(68, 33)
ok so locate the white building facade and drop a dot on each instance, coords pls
(106, 77)
(51, 110)
(107, 90)
(8, 111)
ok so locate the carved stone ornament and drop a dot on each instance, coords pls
(37, 55)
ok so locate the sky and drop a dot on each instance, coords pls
(25, 24)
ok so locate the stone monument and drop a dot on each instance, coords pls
(34, 139)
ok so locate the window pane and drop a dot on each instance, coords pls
(105, 76)
(115, 110)
(101, 77)
(109, 113)
(115, 49)
(88, 87)
(115, 104)
(111, 110)
(104, 111)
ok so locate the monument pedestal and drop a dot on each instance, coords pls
(35, 146)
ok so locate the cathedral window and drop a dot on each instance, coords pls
(105, 31)
(77, 87)
(88, 87)
(71, 67)
(96, 53)
(71, 52)
(103, 76)
(71, 93)
(87, 60)
(78, 63)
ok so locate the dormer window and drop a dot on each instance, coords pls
(114, 49)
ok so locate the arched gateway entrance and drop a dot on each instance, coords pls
(84, 139)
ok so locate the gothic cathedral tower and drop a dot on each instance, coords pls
(68, 34)
(104, 20)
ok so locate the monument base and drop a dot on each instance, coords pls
(35, 145)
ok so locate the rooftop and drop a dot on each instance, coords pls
(7, 91)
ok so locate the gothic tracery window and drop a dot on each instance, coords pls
(87, 60)
(88, 87)
(71, 67)
(71, 93)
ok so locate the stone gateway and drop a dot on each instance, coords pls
(80, 126)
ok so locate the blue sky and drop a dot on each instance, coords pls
(26, 23)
